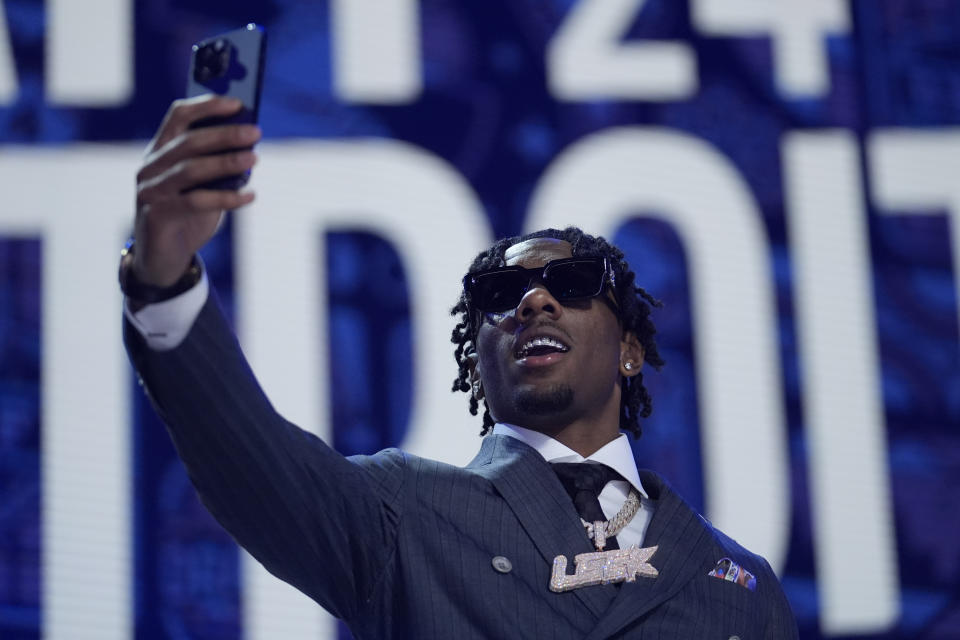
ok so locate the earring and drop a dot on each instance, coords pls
(476, 389)
(628, 366)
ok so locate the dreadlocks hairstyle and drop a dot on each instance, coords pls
(635, 306)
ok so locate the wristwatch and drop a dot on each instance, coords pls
(148, 293)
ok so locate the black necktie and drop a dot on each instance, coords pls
(584, 481)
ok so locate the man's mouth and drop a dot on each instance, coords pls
(540, 346)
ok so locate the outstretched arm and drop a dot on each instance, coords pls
(321, 522)
(313, 518)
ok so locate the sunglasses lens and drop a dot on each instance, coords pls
(498, 290)
(579, 279)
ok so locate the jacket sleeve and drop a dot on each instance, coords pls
(321, 522)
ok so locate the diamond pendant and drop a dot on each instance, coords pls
(603, 567)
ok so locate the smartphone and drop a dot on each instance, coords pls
(229, 64)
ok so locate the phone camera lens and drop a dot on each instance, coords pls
(213, 60)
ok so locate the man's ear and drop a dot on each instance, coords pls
(631, 354)
(476, 386)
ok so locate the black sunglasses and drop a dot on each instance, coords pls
(502, 288)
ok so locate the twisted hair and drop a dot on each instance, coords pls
(635, 306)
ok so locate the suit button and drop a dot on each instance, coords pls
(501, 564)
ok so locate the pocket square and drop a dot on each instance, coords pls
(730, 571)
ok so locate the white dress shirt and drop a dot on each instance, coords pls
(617, 455)
(165, 324)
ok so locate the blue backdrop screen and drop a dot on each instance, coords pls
(495, 92)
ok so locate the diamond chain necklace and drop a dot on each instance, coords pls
(600, 530)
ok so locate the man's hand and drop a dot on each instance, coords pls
(172, 223)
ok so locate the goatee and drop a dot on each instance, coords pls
(549, 401)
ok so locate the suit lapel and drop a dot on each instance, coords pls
(683, 550)
(536, 497)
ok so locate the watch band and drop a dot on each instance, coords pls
(148, 293)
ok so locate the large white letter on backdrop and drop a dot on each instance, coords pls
(587, 59)
(854, 538)
(8, 67)
(798, 30)
(89, 52)
(609, 177)
(376, 50)
(914, 172)
(85, 446)
(432, 217)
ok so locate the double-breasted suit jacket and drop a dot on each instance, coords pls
(404, 547)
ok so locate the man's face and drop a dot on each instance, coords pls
(573, 374)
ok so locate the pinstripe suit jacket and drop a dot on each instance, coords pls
(401, 547)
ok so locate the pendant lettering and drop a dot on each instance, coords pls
(603, 567)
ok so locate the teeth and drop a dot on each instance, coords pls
(540, 341)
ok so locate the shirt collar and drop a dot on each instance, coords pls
(616, 454)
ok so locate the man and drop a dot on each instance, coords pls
(551, 531)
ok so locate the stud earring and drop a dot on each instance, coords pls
(628, 366)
